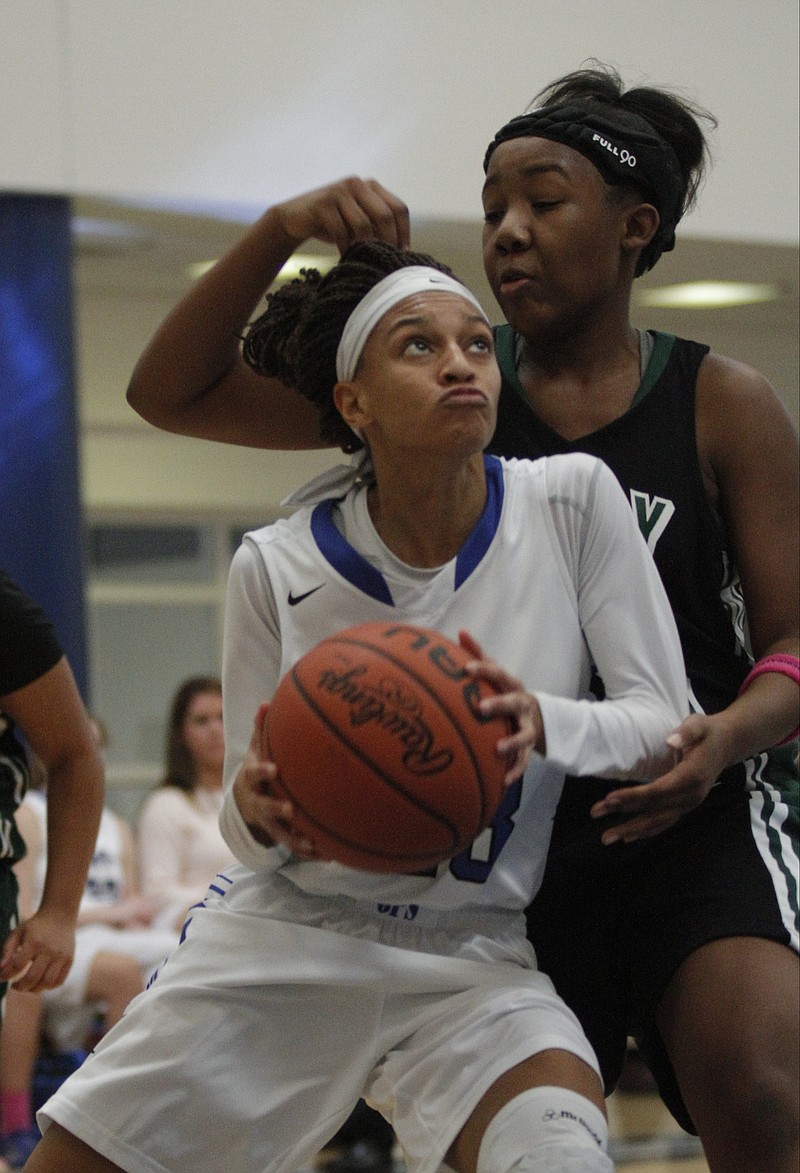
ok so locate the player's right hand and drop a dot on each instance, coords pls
(269, 820)
(344, 212)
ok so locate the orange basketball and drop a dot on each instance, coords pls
(381, 748)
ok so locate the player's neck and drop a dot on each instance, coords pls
(424, 516)
(580, 386)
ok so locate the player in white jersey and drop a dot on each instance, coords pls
(301, 985)
(546, 514)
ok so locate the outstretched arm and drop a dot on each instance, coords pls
(191, 378)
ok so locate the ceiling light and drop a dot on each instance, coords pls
(291, 269)
(197, 270)
(91, 230)
(305, 261)
(707, 294)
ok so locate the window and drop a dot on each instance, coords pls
(155, 606)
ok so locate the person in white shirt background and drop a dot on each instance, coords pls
(180, 845)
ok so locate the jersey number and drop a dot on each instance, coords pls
(475, 863)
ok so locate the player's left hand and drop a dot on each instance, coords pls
(653, 807)
(511, 701)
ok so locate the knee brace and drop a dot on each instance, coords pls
(544, 1129)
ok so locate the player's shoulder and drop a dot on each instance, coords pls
(29, 646)
(285, 529)
(282, 529)
(730, 390)
(571, 474)
(261, 547)
(740, 416)
(731, 376)
(111, 821)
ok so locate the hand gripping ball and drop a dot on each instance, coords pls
(382, 750)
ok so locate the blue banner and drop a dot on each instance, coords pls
(41, 530)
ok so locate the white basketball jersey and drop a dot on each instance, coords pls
(554, 577)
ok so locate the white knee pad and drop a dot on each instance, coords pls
(546, 1129)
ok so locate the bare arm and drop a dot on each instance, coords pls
(748, 449)
(191, 378)
(51, 715)
(752, 448)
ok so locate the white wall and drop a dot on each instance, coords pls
(206, 103)
(129, 466)
(242, 102)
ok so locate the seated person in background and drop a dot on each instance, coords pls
(117, 947)
(115, 952)
(181, 847)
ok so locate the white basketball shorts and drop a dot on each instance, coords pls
(279, 1010)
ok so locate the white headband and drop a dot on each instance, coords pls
(380, 299)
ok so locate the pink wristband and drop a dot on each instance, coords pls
(786, 665)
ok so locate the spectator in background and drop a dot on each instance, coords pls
(180, 844)
(116, 945)
(40, 703)
(116, 950)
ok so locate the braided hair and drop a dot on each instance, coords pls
(600, 90)
(297, 336)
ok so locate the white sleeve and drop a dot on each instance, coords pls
(251, 661)
(630, 633)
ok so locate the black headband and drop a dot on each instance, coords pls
(621, 155)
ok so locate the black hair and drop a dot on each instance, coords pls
(599, 89)
(296, 338)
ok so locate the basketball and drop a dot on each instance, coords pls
(382, 750)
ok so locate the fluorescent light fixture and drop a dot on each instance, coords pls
(707, 294)
(305, 261)
(199, 268)
(291, 269)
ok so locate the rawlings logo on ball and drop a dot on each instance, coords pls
(394, 710)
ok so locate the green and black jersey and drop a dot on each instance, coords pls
(28, 649)
(652, 450)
